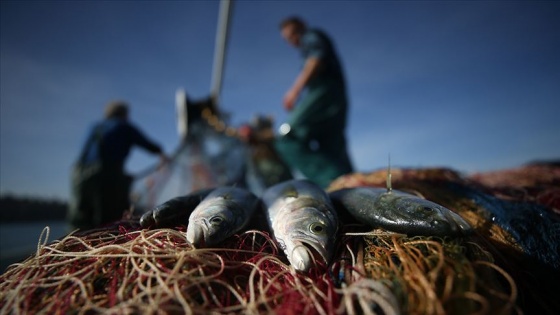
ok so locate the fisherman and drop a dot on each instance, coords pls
(100, 187)
(313, 140)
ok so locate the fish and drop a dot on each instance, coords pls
(212, 215)
(398, 211)
(302, 220)
(174, 211)
(224, 212)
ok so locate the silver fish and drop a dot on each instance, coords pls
(302, 220)
(399, 212)
(225, 211)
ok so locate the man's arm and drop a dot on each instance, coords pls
(311, 66)
(141, 140)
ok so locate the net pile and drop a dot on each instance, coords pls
(122, 269)
(514, 215)
(537, 182)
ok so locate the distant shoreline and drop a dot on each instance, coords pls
(15, 208)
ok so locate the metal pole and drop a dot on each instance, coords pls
(220, 49)
(182, 118)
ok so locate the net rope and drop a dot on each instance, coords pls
(124, 269)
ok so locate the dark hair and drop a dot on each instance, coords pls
(293, 20)
(116, 109)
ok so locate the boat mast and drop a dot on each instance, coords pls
(220, 49)
(194, 109)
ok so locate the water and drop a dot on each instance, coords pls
(18, 240)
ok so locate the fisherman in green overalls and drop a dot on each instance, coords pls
(314, 142)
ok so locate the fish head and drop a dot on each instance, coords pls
(428, 215)
(210, 227)
(307, 235)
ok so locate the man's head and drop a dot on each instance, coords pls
(292, 28)
(116, 109)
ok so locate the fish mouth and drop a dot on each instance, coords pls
(305, 255)
(461, 226)
(196, 234)
(202, 234)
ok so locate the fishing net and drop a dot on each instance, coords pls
(520, 232)
(207, 158)
(124, 269)
(213, 155)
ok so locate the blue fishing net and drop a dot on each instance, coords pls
(531, 225)
(205, 159)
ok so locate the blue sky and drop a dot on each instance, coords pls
(470, 85)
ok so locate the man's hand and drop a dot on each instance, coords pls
(163, 160)
(311, 66)
(290, 99)
(245, 133)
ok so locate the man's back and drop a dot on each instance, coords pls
(316, 43)
(112, 140)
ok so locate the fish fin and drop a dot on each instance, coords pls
(227, 196)
(290, 191)
(389, 185)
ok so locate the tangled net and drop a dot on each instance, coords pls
(513, 223)
(124, 269)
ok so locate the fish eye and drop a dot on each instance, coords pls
(426, 208)
(216, 220)
(317, 228)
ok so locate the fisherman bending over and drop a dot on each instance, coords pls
(100, 187)
(314, 142)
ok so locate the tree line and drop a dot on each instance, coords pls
(24, 208)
